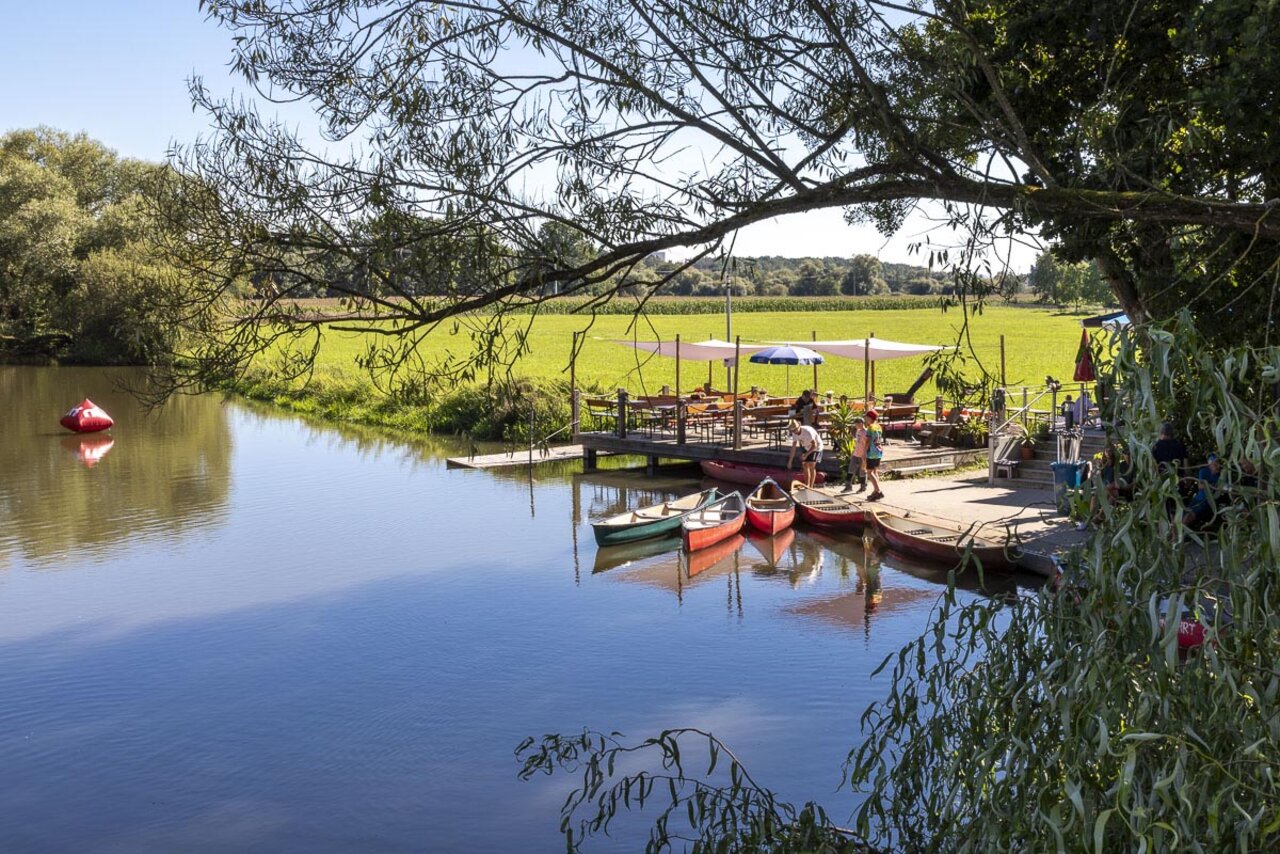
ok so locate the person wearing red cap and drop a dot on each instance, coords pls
(875, 453)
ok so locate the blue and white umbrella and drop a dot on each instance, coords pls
(788, 355)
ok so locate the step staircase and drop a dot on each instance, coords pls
(1036, 473)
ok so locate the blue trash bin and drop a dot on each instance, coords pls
(1066, 477)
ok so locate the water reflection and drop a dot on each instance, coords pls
(838, 578)
(88, 449)
(168, 471)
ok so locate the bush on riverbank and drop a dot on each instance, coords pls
(500, 412)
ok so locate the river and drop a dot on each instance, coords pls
(225, 628)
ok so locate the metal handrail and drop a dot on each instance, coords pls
(1021, 412)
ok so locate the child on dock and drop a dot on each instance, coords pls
(875, 453)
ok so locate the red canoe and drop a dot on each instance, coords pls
(933, 541)
(818, 508)
(769, 508)
(750, 475)
(86, 417)
(714, 522)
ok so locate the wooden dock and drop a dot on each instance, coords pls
(901, 456)
(555, 453)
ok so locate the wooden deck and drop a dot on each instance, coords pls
(901, 456)
(517, 458)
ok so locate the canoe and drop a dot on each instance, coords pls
(704, 559)
(818, 508)
(750, 475)
(652, 521)
(717, 521)
(769, 508)
(935, 541)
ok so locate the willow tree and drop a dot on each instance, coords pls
(1138, 134)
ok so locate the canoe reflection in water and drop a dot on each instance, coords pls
(88, 449)
(613, 557)
(790, 554)
(702, 561)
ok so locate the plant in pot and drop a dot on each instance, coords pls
(1027, 446)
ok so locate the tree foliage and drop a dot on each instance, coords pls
(1139, 140)
(81, 277)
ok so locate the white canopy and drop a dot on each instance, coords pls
(710, 350)
(875, 348)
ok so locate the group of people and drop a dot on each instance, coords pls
(868, 451)
(1203, 495)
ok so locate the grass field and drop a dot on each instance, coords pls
(1037, 342)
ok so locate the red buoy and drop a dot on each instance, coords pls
(86, 417)
(1191, 634)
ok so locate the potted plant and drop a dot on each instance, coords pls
(1027, 447)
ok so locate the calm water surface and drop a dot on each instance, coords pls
(223, 628)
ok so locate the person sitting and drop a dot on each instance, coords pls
(806, 409)
(1169, 452)
(1203, 509)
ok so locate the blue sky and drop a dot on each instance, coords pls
(118, 70)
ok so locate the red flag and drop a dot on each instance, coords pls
(1084, 360)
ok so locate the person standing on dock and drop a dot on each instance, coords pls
(875, 453)
(858, 459)
(810, 444)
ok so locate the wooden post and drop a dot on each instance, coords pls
(1003, 381)
(531, 410)
(708, 388)
(589, 459)
(651, 465)
(622, 413)
(575, 412)
(737, 423)
(873, 367)
(677, 364)
(682, 422)
(866, 374)
(813, 336)
(937, 408)
(737, 354)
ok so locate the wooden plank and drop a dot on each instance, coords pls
(553, 454)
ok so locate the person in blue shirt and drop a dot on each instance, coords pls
(1201, 511)
(875, 453)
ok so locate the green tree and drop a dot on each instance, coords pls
(1141, 140)
(81, 274)
(865, 276)
(1045, 278)
(814, 280)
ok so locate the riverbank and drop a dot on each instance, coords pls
(1036, 343)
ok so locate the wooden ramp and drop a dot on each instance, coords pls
(555, 453)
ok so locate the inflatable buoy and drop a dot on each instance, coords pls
(86, 417)
(1191, 634)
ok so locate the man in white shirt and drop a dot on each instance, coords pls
(810, 443)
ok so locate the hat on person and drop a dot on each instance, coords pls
(1213, 458)
(872, 414)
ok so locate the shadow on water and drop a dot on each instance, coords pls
(161, 472)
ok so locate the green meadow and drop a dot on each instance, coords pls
(1038, 342)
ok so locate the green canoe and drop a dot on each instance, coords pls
(652, 521)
